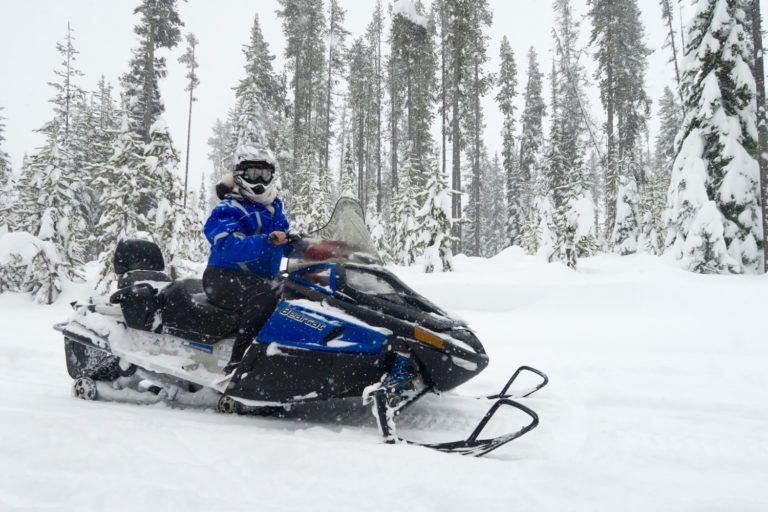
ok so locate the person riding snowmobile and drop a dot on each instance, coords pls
(247, 233)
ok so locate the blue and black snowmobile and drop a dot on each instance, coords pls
(345, 327)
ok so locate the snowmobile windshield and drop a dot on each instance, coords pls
(345, 238)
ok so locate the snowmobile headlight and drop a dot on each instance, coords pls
(428, 337)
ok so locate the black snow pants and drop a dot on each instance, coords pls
(251, 296)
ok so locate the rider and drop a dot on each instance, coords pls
(247, 233)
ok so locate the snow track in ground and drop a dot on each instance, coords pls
(658, 401)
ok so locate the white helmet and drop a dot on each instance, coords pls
(254, 174)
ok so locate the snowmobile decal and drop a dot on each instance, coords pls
(302, 327)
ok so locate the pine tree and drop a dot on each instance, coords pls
(626, 229)
(531, 145)
(258, 96)
(621, 57)
(310, 203)
(714, 196)
(374, 34)
(348, 182)
(412, 67)
(304, 26)
(118, 177)
(189, 60)
(569, 216)
(66, 88)
(203, 200)
(671, 39)
(55, 214)
(361, 91)
(477, 84)
(517, 186)
(159, 28)
(6, 172)
(494, 226)
(434, 223)
(337, 36)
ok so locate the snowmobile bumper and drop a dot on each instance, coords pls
(386, 413)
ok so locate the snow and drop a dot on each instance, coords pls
(657, 402)
(25, 247)
(406, 9)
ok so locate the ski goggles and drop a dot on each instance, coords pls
(256, 173)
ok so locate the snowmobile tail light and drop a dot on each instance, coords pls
(428, 337)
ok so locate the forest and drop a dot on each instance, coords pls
(394, 117)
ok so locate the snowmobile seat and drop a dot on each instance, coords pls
(135, 276)
(132, 254)
(188, 314)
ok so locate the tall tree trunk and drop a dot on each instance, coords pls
(327, 150)
(612, 180)
(456, 145)
(360, 161)
(762, 145)
(149, 75)
(443, 80)
(476, 163)
(673, 45)
(378, 116)
(189, 131)
(67, 84)
(393, 127)
(296, 112)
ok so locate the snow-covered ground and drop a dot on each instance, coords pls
(658, 401)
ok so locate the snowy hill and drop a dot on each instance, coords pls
(657, 401)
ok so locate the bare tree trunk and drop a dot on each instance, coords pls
(476, 163)
(667, 13)
(762, 144)
(456, 145)
(189, 130)
(378, 116)
(327, 151)
(149, 75)
(296, 112)
(443, 80)
(67, 83)
(393, 127)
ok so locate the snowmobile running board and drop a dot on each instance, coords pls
(473, 446)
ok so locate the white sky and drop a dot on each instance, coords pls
(104, 36)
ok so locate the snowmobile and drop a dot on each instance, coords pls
(344, 327)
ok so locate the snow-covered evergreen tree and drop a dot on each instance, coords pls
(51, 211)
(348, 184)
(6, 172)
(304, 25)
(517, 186)
(570, 217)
(434, 223)
(621, 55)
(626, 229)
(66, 87)
(310, 205)
(403, 235)
(494, 228)
(118, 178)
(159, 27)
(654, 194)
(713, 212)
(531, 145)
(259, 95)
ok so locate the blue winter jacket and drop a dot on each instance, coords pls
(238, 232)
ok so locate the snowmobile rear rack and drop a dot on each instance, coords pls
(473, 445)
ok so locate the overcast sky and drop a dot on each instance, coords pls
(104, 36)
